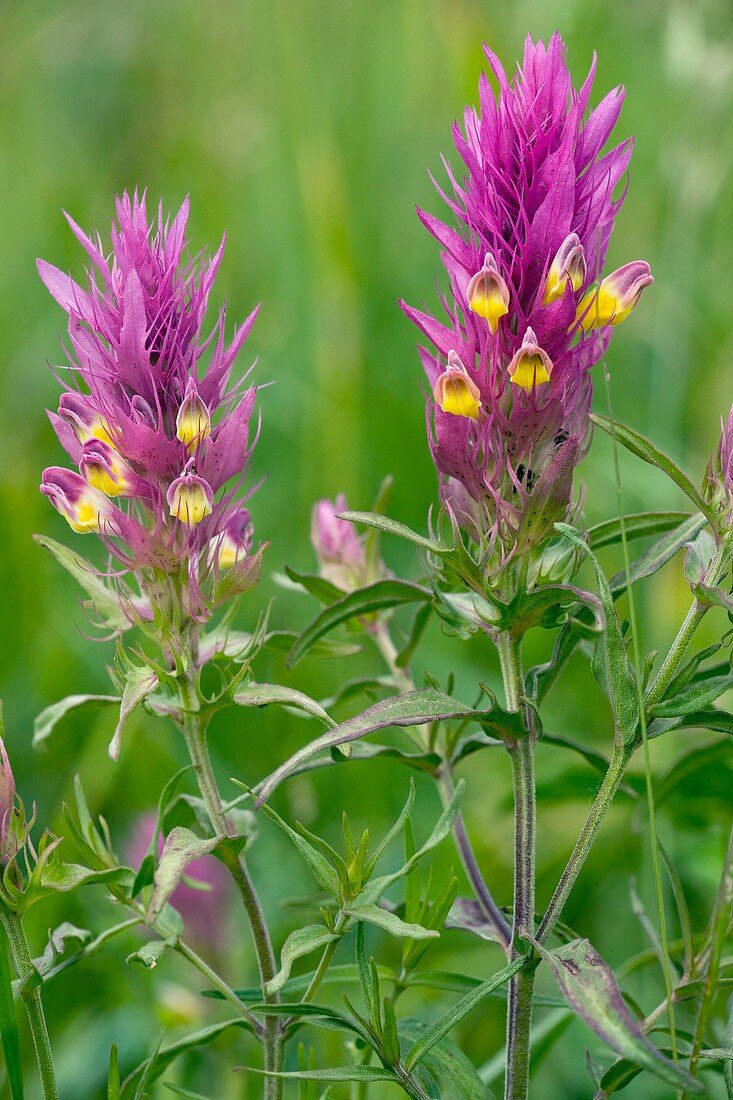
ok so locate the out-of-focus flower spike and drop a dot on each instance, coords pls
(613, 299)
(193, 423)
(531, 366)
(104, 469)
(339, 549)
(718, 484)
(488, 294)
(568, 267)
(190, 498)
(85, 508)
(456, 392)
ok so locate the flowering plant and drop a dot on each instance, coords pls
(157, 422)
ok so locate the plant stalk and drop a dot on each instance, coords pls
(519, 1009)
(195, 737)
(31, 996)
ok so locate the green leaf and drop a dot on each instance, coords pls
(637, 525)
(317, 586)
(611, 665)
(394, 527)
(46, 721)
(365, 1074)
(113, 1075)
(140, 683)
(646, 450)
(415, 708)
(58, 943)
(590, 988)
(711, 719)
(374, 890)
(695, 697)
(263, 695)
(324, 873)
(105, 601)
(440, 1028)
(240, 578)
(152, 1068)
(390, 922)
(181, 848)
(9, 1022)
(299, 943)
(658, 554)
(455, 1077)
(150, 954)
(380, 596)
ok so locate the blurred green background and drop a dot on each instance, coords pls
(306, 131)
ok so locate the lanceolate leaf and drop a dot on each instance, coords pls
(106, 602)
(390, 922)
(263, 695)
(364, 601)
(458, 1012)
(159, 1062)
(611, 665)
(181, 848)
(394, 527)
(588, 985)
(46, 721)
(658, 554)
(415, 708)
(446, 1065)
(140, 683)
(365, 1074)
(695, 697)
(646, 450)
(299, 943)
(636, 526)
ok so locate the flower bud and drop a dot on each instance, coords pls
(193, 423)
(104, 469)
(339, 549)
(190, 498)
(7, 802)
(234, 542)
(567, 267)
(488, 294)
(455, 391)
(531, 366)
(84, 507)
(613, 300)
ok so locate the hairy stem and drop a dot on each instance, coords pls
(195, 736)
(519, 1009)
(31, 996)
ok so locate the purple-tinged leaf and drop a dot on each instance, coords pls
(416, 708)
(467, 914)
(590, 988)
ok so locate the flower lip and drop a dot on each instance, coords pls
(193, 422)
(104, 469)
(455, 391)
(190, 498)
(84, 507)
(615, 297)
(531, 366)
(487, 293)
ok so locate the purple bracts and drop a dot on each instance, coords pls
(161, 440)
(527, 312)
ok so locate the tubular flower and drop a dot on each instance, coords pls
(149, 416)
(339, 549)
(528, 312)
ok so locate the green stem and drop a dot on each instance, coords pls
(519, 1009)
(194, 734)
(218, 983)
(599, 809)
(718, 932)
(31, 996)
(325, 960)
